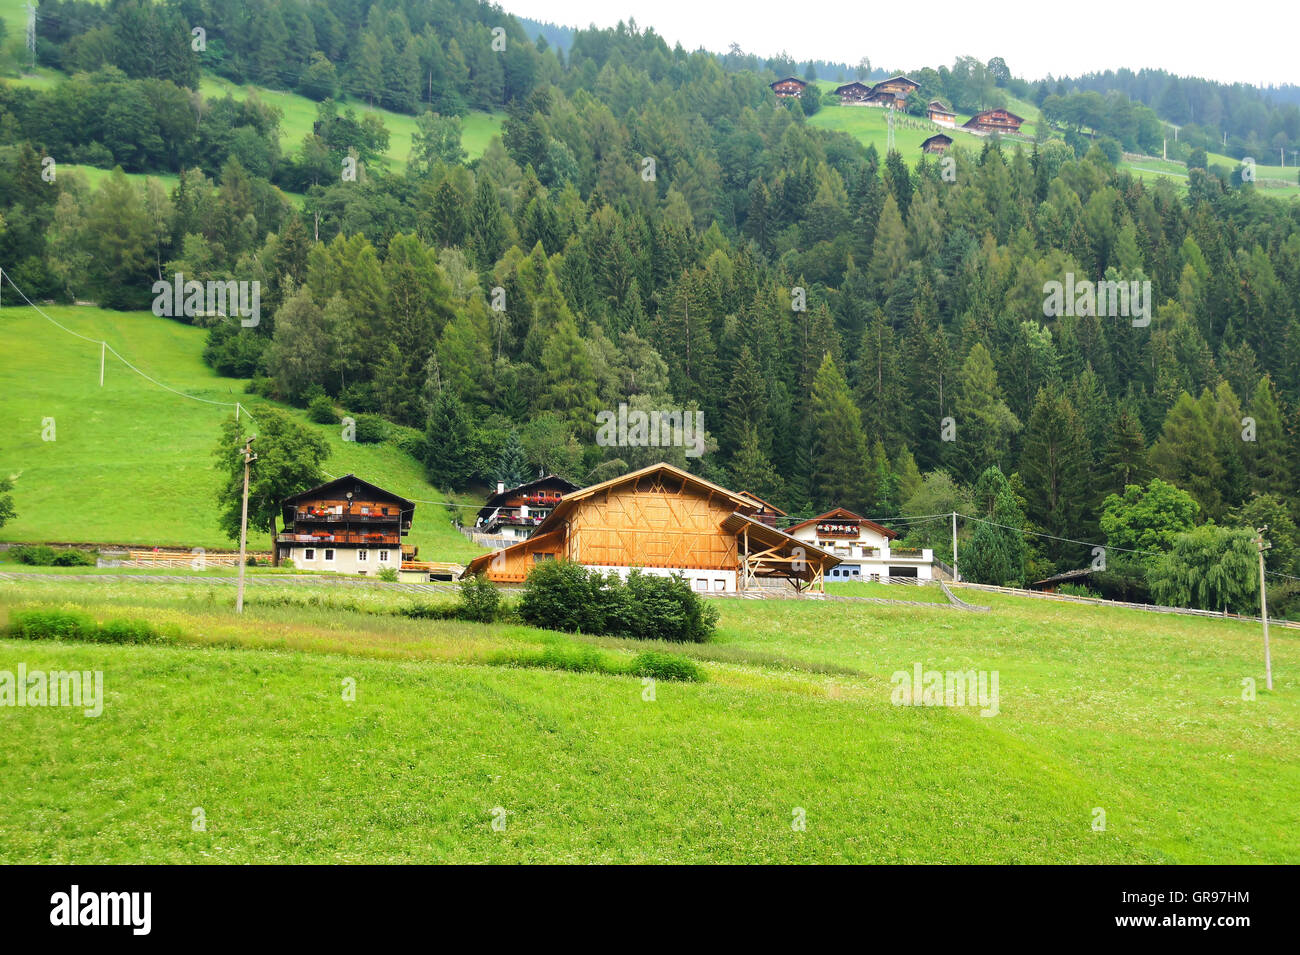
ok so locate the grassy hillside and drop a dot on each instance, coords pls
(1137, 714)
(131, 462)
(300, 112)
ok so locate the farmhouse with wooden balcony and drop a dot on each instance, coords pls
(513, 514)
(940, 114)
(789, 87)
(996, 120)
(347, 525)
(666, 521)
(864, 548)
(892, 92)
(938, 143)
(853, 94)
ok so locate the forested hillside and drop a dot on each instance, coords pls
(657, 228)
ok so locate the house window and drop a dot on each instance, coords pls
(383, 556)
(361, 556)
(701, 584)
(719, 585)
(329, 554)
(538, 558)
(309, 553)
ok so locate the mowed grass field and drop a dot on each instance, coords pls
(1137, 714)
(132, 462)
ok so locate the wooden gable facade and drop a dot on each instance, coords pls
(789, 87)
(937, 143)
(853, 92)
(997, 120)
(337, 526)
(661, 519)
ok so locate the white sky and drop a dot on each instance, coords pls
(1253, 42)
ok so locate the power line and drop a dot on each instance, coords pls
(239, 407)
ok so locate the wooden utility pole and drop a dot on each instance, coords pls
(249, 458)
(1263, 606)
(955, 576)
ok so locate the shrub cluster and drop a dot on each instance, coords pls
(39, 555)
(479, 602)
(562, 595)
(75, 625)
(581, 659)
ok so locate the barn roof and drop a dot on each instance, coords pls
(784, 545)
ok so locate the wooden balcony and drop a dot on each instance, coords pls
(342, 537)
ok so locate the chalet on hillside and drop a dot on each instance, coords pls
(996, 120)
(347, 525)
(514, 513)
(789, 87)
(666, 521)
(767, 513)
(938, 143)
(852, 94)
(893, 92)
(940, 114)
(864, 548)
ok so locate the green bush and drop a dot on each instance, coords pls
(561, 595)
(442, 611)
(371, 429)
(321, 410)
(127, 631)
(75, 625)
(74, 558)
(480, 601)
(37, 555)
(388, 574)
(665, 666)
(51, 625)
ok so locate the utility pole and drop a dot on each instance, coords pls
(249, 458)
(1263, 606)
(31, 32)
(955, 576)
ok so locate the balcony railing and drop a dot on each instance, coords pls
(373, 540)
(354, 516)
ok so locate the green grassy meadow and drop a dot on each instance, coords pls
(1135, 713)
(132, 463)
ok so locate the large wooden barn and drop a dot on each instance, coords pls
(664, 521)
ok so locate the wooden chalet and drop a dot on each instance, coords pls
(665, 521)
(346, 525)
(516, 512)
(854, 93)
(937, 143)
(997, 120)
(789, 87)
(940, 114)
(865, 548)
(892, 92)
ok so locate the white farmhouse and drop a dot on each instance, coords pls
(865, 549)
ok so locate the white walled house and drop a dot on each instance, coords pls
(865, 549)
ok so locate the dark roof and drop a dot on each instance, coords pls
(947, 139)
(894, 79)
(498, 498)
(849, 86)
(943, 107)
(789, 79)
(355, 481)
(1063, 577)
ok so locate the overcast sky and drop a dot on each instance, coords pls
(1253, 42)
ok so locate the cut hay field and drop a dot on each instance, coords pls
(1136, 714)
(131, 462)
